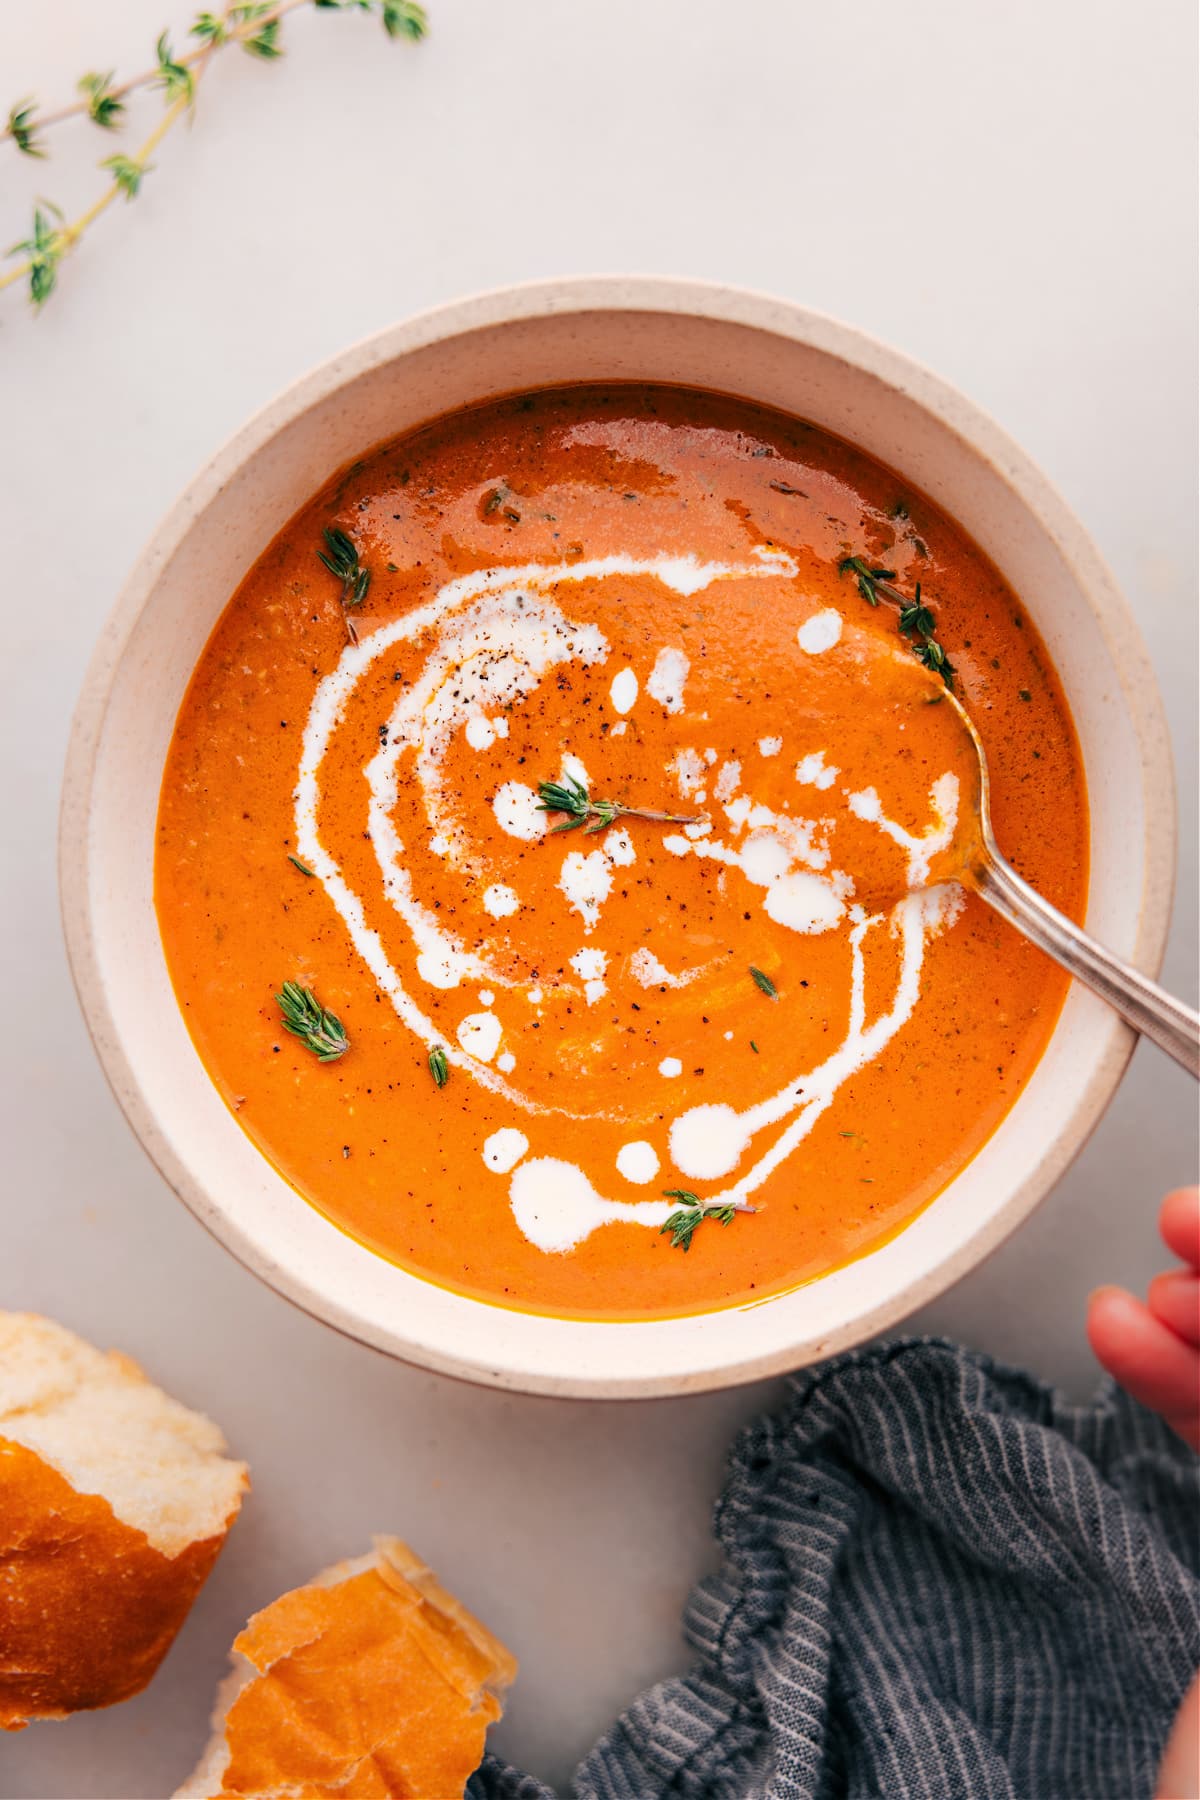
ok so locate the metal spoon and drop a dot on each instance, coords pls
(1170, 1024)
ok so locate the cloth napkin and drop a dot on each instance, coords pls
(941, 1581)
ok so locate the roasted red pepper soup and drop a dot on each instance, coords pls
(589, 1060)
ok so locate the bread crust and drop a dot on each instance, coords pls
(88, 1609)
(372, 1680)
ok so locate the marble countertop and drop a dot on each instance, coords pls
(1007, 194)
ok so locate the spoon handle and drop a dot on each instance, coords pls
(1173, 1026)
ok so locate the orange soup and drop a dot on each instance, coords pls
(543, 859)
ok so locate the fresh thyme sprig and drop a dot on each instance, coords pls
(253, 24)
(340, 557)
(916, 621)
(682, 1225)
(320, 1031)
(571, 798)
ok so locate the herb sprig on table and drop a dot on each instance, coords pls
(571, 798)
(254, 25)
(916, 621)
(320, 1031)
(683, 1224)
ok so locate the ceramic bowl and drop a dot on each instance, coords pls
(647, 330)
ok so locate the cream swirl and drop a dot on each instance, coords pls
(487, 642)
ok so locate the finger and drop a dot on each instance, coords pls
(1179, 1772)
(1148, 1360)
(1174, 1299)
(1179, 1222)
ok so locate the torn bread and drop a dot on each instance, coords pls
(114, 1502)
(370, 1681)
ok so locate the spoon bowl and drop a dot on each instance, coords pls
(974, 858)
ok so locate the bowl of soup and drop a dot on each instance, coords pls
(497, 828)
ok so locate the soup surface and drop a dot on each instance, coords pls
(561, 1041)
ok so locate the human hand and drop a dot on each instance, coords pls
(1153, 1347)
(1153, 1350)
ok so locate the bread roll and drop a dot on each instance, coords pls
(114, 1502)
(370, 1681)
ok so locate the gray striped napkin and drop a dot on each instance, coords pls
(942, 1582)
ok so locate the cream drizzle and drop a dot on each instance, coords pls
(556, 1205)
(427, 714)
(498, 622)
(922, 847)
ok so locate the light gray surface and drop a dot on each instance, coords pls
(1007, 194)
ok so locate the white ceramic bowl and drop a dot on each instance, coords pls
(673, 331)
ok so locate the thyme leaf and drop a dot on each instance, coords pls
(127, 173)
(104, 108)
(439, 1068)
(320, 1031)
(209, 29)
(22, 129)
(867, 577)
(302, 866)
(173, 77)
(405, 19)
(265, 41)
(44, 251)
(764, 983)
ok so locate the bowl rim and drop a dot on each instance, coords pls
(523, 302)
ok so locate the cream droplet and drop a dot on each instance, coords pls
(709, 1141)
(480, 732)
(637, 1162)
(479, 1035)
(667, 679)
(518, 812)
(504, 1149)
(821, 632)
(624, 691)
(500, 901)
